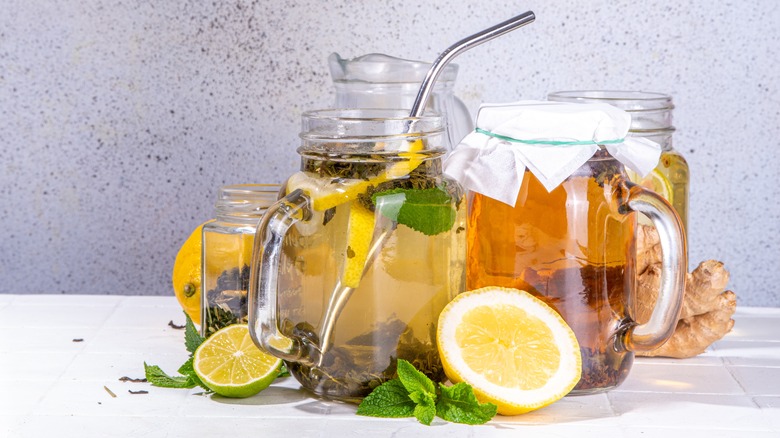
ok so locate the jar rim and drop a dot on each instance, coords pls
(630, 101)
(362, 125)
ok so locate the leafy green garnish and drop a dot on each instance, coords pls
(414, 394)
(188, 379)
(192, 339)
(458, 404)
(157, 377)
(428, 211)
(389, 399)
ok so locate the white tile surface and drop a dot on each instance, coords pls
(53, 386)
(749, 353)
(755, 327)
(758, 380)
(698, 379)
(687, 411)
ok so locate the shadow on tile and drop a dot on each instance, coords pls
(273, 395)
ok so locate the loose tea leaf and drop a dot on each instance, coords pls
(130, 379)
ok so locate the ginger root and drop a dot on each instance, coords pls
(707, 307)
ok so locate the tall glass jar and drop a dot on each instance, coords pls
(651, 118)
(227, 253)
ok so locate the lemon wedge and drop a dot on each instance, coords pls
(655, 181)
(361, 230)
(326, 194)
(512, 348)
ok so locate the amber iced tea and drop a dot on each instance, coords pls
(571, 247)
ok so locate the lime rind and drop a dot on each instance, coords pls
(229, 363)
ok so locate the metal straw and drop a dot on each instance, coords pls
(341, 293)
(418, 108)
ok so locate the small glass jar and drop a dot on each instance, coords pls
(227, 253)
(651, 118)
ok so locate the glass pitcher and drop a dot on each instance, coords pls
(574, 248)
(382, 81)
(353, 266)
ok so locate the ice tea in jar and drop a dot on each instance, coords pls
(553, 212)
(353, 266)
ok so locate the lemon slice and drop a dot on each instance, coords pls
(512, 348)
(655, 181)
(361, 230)
(230, 364)
(326, 194)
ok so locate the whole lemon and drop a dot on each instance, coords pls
(187, 274)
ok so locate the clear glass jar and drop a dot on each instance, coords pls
(227, 253)
(353, 266)
(651, 118)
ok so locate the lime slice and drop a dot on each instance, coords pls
(230, 364)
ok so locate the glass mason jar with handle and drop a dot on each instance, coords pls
(557, 219)
(352, 267)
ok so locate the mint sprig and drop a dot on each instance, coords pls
(413, 394)
(188, 379)
(428, 211)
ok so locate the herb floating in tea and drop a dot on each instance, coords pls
(428, 211)
(412, 394)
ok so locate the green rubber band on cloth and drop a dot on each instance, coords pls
(548, 142)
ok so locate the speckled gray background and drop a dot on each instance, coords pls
(119, 120)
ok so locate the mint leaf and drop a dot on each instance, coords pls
(413, 380)
(187, 370)
(426, 406)
(428, 211)
(192, 339)
(458, 404)
(390, 399)
(157, 377)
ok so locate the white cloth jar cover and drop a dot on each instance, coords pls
(551, 139)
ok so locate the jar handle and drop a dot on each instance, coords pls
(264, 277)
(659, 328)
